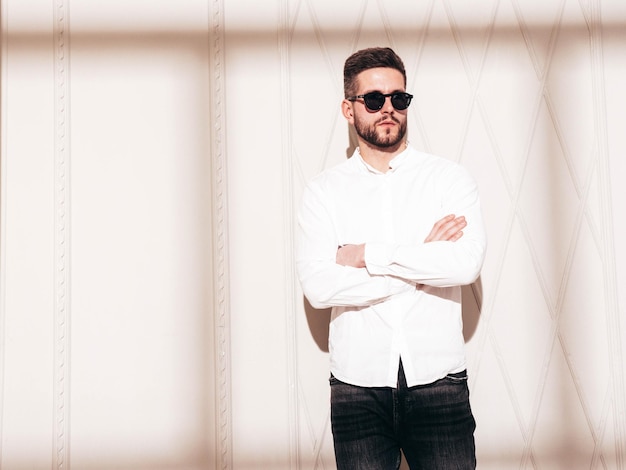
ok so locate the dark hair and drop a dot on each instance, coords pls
(368, 59)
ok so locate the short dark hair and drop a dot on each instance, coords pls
(366, 59)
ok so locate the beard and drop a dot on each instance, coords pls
(381, 138)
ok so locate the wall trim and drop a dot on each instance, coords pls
(221, 275)
(290, 282)
(61, 369)
(611, 287)
(3, 200)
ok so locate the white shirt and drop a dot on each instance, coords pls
(406, 303)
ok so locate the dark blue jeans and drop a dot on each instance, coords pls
(432, 424)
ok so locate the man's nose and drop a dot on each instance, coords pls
(387, 106)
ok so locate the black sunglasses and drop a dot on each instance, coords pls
(375, 100)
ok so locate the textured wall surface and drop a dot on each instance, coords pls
(153, 157)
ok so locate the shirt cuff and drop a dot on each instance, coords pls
(378, 257)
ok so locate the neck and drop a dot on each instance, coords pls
(378, 157)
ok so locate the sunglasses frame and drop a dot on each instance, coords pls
(378, 94)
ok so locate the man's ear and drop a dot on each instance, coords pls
(348, 111)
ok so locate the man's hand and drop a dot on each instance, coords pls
(351, 255)
(450, 228)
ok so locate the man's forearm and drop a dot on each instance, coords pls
(449, 228)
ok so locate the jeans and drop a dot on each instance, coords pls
(432, 424)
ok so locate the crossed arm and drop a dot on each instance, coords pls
(364, 274)
(450, 228)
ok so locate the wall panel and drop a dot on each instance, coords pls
(108, 357)
(28, 248)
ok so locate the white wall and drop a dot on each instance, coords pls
(153, 156)
(107, 334)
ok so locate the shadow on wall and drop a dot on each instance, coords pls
(319, 322)
(472, 299)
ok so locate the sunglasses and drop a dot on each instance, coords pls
(375, 100)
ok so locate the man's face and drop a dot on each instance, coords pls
(385, 128)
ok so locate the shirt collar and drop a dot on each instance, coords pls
(394, 164)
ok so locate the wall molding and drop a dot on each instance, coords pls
(221, 287)
(614, 329)
(61, 369)
(291, 309)
(3, 200)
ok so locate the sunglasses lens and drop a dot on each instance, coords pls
(374, 101)
(400, 101)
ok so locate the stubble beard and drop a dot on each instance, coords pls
(381, 138)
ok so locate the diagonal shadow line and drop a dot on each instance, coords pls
(319, 37)
(567, 155)
(580, 217)
(586, 11)
(386, 23)
(360, 21)
(598, 455)
(291, 22)
(474, 82)
(355, 41)
(419, 54)
(557, 335)
(565, 147)
(519, 16)
(324, 432)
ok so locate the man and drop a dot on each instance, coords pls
(387, 239)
